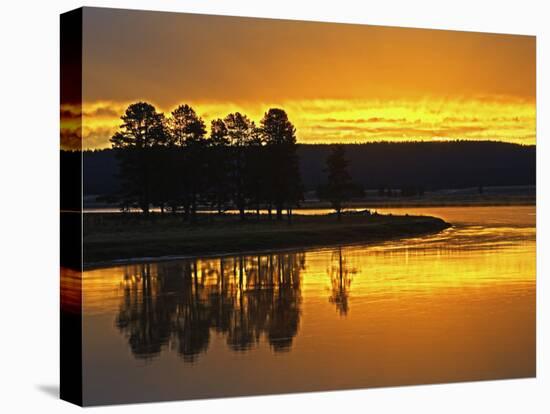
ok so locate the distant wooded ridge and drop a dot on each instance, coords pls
(426, 165)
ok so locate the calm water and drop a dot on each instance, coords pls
(456, 306)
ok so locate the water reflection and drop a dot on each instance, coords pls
(455, 306)
(178, 304)
(340, 273)
(70, 291)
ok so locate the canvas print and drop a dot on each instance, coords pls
(258, 206)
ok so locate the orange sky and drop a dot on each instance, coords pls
(338, 82)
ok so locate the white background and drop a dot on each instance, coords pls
(29, 193)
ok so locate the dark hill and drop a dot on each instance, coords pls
(431, 165)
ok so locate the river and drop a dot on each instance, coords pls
(455, 306)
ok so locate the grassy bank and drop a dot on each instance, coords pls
(112, 236)
(465, 197)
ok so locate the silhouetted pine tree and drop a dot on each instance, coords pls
(137, 143)
(256, 171)
(284, 175)
(240, 131)
(218, 165)
(169, 163)
(339, 187)
(188, 132)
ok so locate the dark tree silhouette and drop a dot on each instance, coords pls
(188, 132)
(218, 165)
(240, 131)
(256, 186)
(186, 126)
(339, 187)
(284, 175)
(169, 163)
(137, 143)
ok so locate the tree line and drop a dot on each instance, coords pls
(386, 168)
(173, 162)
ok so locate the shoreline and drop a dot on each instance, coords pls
(140, 242)
(351, 206)
(216, 255)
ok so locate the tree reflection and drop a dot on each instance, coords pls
(340, 273)
(179, 304)
(191, 318)
(145, 321)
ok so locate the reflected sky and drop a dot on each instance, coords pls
(455, 306)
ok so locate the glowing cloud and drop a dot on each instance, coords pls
(338, 82)
(327, 121)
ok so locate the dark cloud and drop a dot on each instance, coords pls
(70, 114)
(71, 138)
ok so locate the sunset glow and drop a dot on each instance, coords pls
(338, 82)
(357, 121)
